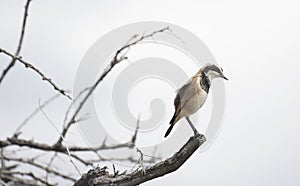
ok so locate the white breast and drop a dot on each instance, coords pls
(195, 103)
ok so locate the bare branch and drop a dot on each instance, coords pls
(40, 166)
(72, 104)
(41, 74)
(133, 139)
(141, 160)
(19, 181)
(68, 151)
(29, 174)
(18, 130)
(49, 165)
(13, 61)
(45, 147)
(116, 60)
(99, 177)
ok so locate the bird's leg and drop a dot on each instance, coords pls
(192, 126)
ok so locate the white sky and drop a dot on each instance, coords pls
(256, 43)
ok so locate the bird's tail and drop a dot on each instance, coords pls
(172, 123)
(169, 130)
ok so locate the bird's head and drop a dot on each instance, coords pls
(212, 71)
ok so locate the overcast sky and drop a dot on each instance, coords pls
(256, 43)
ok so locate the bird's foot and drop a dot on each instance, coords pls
(196, 132)
(202, 137)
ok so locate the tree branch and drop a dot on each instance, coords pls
(116, 60)
(41, 74)
(97, 176)
(37, 165)
(18, 130)
(13, 61)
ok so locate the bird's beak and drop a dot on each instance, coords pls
(224, 77)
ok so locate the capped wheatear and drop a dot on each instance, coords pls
(192, 95)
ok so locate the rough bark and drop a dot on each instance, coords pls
(100, 176)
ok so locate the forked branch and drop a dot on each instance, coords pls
(98, 176)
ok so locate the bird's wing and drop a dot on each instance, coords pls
(183, 95)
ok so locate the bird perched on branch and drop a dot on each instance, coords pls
(192, 95)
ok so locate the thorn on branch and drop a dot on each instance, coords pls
(116, 172)
(133, 139)
(141, 159)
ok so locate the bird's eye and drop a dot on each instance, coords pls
(221, 69)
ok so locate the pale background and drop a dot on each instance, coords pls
(256, 43)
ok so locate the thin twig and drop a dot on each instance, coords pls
(39, 166)
(49, 165)
(116, 60)
(70, 157)
(72, 104)
(29, 174)
(13, 61)
(133, 139)
(41, 74)
(18, 130)
(141, 159)
(20, 181)
(45, 147)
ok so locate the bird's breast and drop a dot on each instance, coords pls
(202, 95)
(196, 102)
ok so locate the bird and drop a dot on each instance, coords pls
(193, 94)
